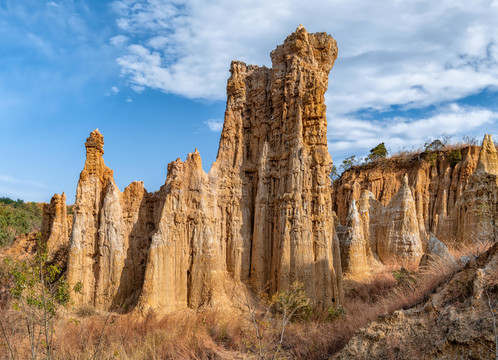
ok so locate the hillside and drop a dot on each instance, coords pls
(17, 218)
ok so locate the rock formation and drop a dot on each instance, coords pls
(436, 252)
(488, 158)
(261, 216)
(398, 232)
(456, 202)
(476, 211)
(55, 224)
(435, 182)
(378, 234)
(355, 250)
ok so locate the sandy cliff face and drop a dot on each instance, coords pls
(476, 211)
(454, 203)
(262, 214)
(435, 186)
(110, 235)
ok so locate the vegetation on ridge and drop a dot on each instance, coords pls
(429, 151)
(16, 218)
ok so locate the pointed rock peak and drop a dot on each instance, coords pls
(488, 157)
(300, 28)
(403, 199)
(405, 180)
(95, 142)
(353, 216)
(319, 49)
(194, 160)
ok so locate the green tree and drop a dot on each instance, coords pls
(377, 153)
(348, 163)
(334, 173)
(434, 145)
(38, 291)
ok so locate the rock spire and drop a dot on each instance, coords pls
(261, 216)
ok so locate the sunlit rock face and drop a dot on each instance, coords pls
(261, 216)
(55, 224)
(455, 203)
(476, 211)
(435, 183)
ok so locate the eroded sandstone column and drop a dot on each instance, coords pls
(55, 224)
(476, 212)
(398, 236)
(261, 216)
(82, 263)
(354, 258)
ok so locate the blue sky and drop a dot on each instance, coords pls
(151, 76)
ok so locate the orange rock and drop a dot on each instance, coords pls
(262, 214)
(55, 227)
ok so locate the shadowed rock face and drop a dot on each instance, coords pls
(262, 215)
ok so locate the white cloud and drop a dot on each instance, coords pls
(119, 41)
(128, 100)
(115, 89)
(214, 125)
(52, 3)
(412, 54)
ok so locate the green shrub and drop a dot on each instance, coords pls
(431, 157)
(16, 218)
(335, 313)
(455, 157)
(38, 292)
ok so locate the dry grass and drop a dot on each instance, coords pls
(210, 334)
(184, 335)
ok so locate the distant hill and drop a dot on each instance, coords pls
(18, 217)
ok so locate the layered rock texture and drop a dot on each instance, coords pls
(56, 226)
(455, 322)
(402, 202)
(435, 183)
(261, 216)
